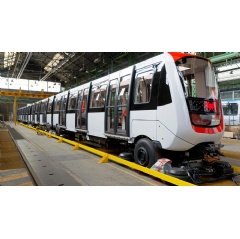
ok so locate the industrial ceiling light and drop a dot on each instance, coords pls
(83, 68)
(97, 60)
(9, 59)
(54, 62)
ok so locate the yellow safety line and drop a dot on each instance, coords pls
(148, 171)
(13, 177)
(26, 184)
(235, 168)
(231, 154)
(132, 175)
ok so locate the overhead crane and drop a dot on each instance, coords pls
(23, 94)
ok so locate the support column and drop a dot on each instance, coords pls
(15, 110)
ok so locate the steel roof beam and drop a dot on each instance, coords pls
(225, 56)
(58, 67)
(27, 59)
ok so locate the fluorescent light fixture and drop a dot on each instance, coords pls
(54, 62)
(9, 59)
(28, 85)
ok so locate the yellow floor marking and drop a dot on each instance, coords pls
(26, 184)
(225, 182)
(133, 175)
(230, 142)
(231, 154)
(100, 153)
(13, 177)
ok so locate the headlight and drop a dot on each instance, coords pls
(205, 120)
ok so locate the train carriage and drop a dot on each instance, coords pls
(165, 107)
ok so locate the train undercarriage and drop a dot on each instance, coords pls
(199, 165)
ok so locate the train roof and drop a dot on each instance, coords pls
(178, 55)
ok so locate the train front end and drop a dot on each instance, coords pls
(194, 124)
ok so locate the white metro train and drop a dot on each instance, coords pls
(165, 107)
(231, 111)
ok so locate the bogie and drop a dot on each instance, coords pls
(145, 153)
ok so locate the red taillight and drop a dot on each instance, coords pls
(210, 106)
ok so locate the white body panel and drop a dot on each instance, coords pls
(49, 119)
(96, 124)
(232, 119)
(41, 119)
(35, 119)
(55, 120)
(143, 122)
(70, 122)
(29, 118)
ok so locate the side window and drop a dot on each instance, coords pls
(38, 107)
(50, 102)
(85, 100)
(143, 87)
(64, 102)
(33, 109)
(164, 94)
(230, 109)
(72, 101)
(98, 95)
(57, 105)
(43, 107)
(79, 99)
(234, 108)
(123, 91)
(112, 92)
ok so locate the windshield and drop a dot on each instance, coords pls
(197, 78)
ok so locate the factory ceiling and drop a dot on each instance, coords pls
(74, 68)
(68, 68)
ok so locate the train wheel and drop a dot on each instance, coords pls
(145, 153)
(58, 130)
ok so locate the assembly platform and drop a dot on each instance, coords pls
(52, 163)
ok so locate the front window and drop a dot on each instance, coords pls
(201, 90)
(198, 78)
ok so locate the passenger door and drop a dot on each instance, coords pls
(117, 107)
(81, 109)
(62, 110)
